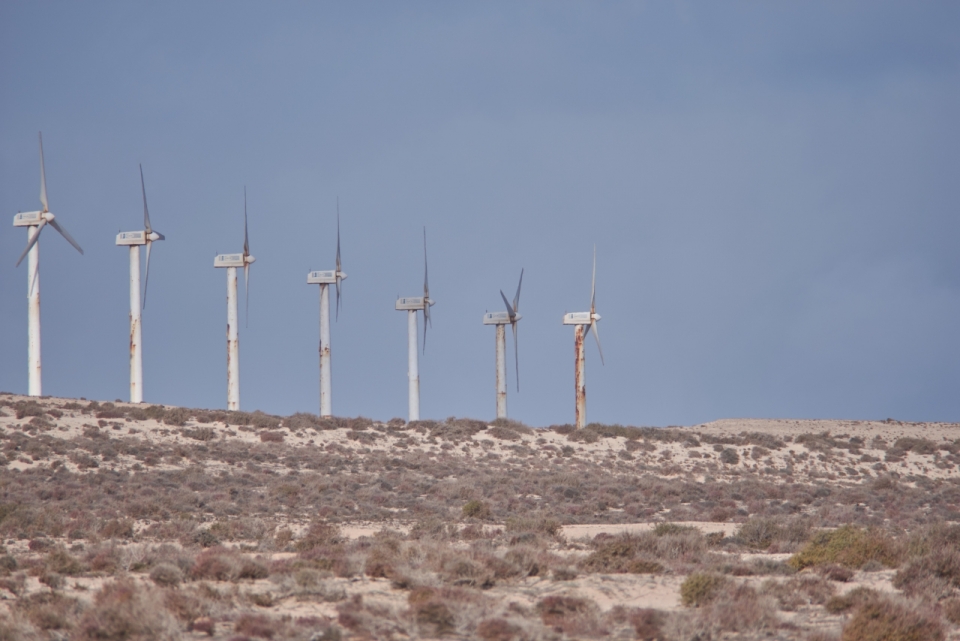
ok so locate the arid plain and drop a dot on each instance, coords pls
(153, 522)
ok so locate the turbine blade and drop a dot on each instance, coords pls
(516, 353)
(246, 294)
(146, 278)
(516, 299)
(146, 212)
(593, 284)
(246, 238)
(32, 241)
(510, 311)
(596, 335)
(63, 232)
(43, 179)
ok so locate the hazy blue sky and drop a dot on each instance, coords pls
(772, 188)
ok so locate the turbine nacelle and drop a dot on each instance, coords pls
(500, 318)
(32, 218)
(233, 260)
(328, 277)
(414, 303)
(580, 318)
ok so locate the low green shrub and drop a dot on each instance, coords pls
(849, 546)
(701, 588)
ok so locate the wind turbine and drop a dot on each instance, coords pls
(134, 239)
(323, 279)
(501, 320)
(412, 305)
(231, 262)
(581, 320)
(35, 221)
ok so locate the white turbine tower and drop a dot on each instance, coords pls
(133, 239)
(35, 222)
(501, 320)
(581, 319)
(412, 305)
(231, 262)
(324, 279)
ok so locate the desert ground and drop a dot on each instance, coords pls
(124, 521)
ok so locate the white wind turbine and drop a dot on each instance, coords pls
(147, 236)
(412, 305)
(231, 262)
(323, 279)
(581, 320)
(501, 320)
(35, 221)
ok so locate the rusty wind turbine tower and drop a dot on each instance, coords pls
(231, 262)
(324, 279)
(580, 320)
(35, 221)
(501, 320)
(134, 239)
(412, 305)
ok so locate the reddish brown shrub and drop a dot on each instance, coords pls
(883, 620)
(497, 630)
(255, 625)
(268, 436)
(123, 611)
(571, 615)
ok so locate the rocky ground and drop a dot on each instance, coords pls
(121, 521)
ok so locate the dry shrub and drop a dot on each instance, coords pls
(537, 524)
(255, 625)
(885, 620)
(268, 436)
(849, 546)
(834, 572)
(915, 445)
(570, 615)
(50, 610)
(647, 623)
(476, 510)
(241, 529)
(759, 533)
(935, 574)
(223, 564)
(738, 610)
(123, 611)
(701, 588)
(365, 622)
(62, 562)
(166, 575)
(188, 607)
(729, 456)
(934, 537)
(799, 591)
(117, 529)
(852, 599)
(621, 554)
(498, 630)
(951, 610)
(200, 434)
(434, 617)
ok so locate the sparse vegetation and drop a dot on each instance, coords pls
(222, 523)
